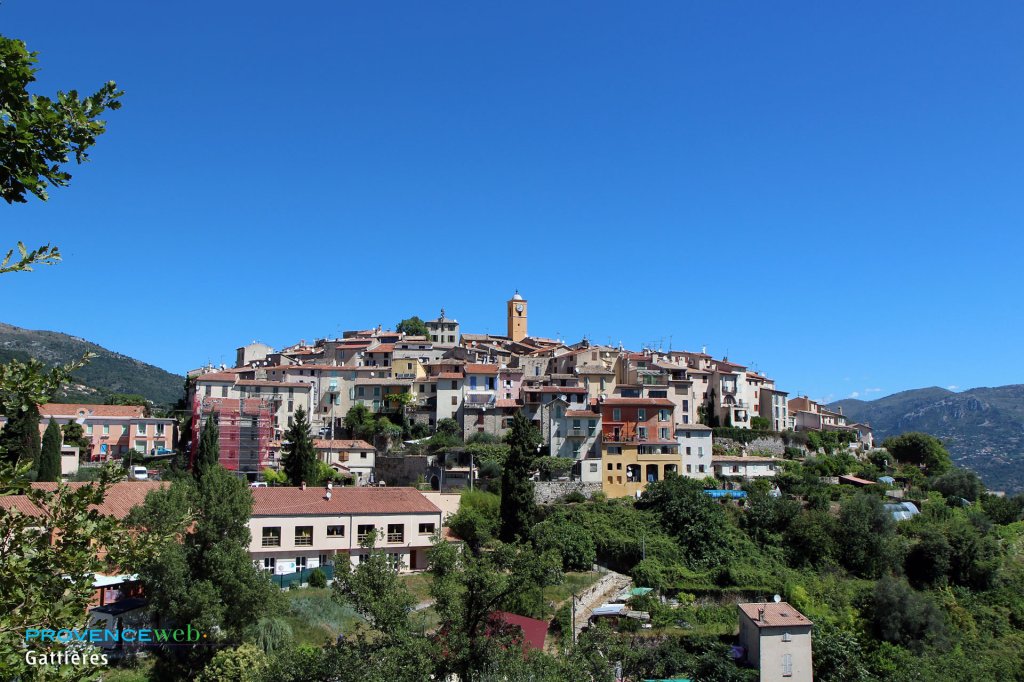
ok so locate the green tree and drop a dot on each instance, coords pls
(204, 576)
(919, 449)
(865, 535)
(299, 454)
(903, 616)
(958, 483)
(413, 326)
(760, 423)
(570, 541)
(810, 540)
(37, 134)
(449, 427)
(360, 422)
(19, 439)
(517, 503)
(375, 591)
(74, 435)
(208, 453)
(49, 459)
(689, 514)
(468, 588)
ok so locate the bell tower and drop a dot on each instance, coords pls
(517, 317)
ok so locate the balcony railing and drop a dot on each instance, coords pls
(303, 540)
(271, 541)
(396, 537)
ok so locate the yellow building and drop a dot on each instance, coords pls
(629, 467)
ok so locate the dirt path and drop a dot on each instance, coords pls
(598, 593)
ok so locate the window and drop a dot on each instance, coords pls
(160, 429)
(300, 563)
(663, 415)
(363, 558)
(700, 451)
(735, 468)
(700, 468)
(455, 400)
(396, 532)
(272, 536)
(787, 665)
(641, 432)
(140, 445)
(641, 414)
(291, 405)
(426, 529)
(325, 559)
(269, 563)
(360, 391)
(395, 562)
(106, 429)
(303, 536)
(88, 429)
(786, 637)
(335, 531)
(455, 385)
(376, 391)
(687, 449)
(593, 467)
(663, 433)
(616, 414)
(363, 531)
(689, 468)
(223, 391)
(140, 429)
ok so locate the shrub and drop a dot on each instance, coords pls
(317, 578)
(575, 497)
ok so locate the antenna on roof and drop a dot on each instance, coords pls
(776, 599)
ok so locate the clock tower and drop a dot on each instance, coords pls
(517, 317)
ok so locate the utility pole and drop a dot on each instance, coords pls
(574, 619)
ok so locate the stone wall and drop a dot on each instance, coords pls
(548, 492)
(764, 444)
(400, 471)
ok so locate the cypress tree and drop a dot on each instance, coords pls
(517, 505)
(300, 463)
(208, 454)
(49, 459)
(19, 439)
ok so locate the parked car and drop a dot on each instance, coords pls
(140, 473)
(258, 484)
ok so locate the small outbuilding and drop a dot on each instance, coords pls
(776, 639)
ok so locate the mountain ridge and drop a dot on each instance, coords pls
(109, 372)
(982, 427)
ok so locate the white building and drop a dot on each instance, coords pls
(695, 442)
(776, 639)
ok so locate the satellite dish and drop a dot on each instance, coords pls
(777, 599)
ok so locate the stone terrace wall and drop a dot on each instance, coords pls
(548, 492)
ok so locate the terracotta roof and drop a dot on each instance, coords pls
(217, 376)
(382, 348)
(855, 480)
(449, 375)
(73, 409)
(581, 413)
(475, 368)
(775, 615)
(324, 444)
(534, 630)
(295, 501)
(272, 384)
(502, 402)
(692, 427)
(121, 497)
(639, 402)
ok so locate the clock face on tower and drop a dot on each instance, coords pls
(519, 307)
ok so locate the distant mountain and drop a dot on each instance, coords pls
(983, 428)
(107, 373)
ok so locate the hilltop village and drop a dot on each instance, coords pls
(623, 418)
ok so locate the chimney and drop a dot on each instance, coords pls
(760, 614)
(330, 485)
(327, 495)
(303, 486)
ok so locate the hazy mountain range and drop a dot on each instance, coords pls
(107, 373)
(983, 428)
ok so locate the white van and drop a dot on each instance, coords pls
(140, 473)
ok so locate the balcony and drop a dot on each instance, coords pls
(396, 537)
(271, 541)
(303, 540)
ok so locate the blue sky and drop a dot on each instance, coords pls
(831, 192)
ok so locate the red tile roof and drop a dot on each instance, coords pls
(580, 413)
(475, 368)
(534, 631)
(73, 410)
(217, 376)
(296, 501)
(449, 375)
(121, 497)
(383, 348)
(502, 402)
(775, 615)
(324, 444)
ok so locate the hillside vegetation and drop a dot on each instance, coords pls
(107, 373)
